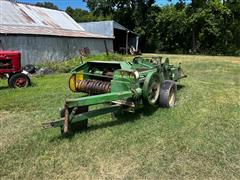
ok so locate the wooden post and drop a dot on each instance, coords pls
(106, 49)
(127, 42)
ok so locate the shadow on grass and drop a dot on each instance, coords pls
(125, 117)
(4, 87)
(7, 87)
(119, 119)
(33, 84)
(180, 86)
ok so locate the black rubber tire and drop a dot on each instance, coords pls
(79, 125)
(30, 68)
(13, 81)
(168, 93)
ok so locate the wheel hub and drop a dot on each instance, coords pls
(20, 82)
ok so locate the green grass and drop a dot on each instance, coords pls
(197, 139)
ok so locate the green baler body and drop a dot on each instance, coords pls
(126, 90)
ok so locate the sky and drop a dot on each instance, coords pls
(62, 4)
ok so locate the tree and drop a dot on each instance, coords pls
(80, 15)
(133, 14)
(172, 30)
(48, 5)
(201, 26)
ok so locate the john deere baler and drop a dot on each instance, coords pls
(121, 86)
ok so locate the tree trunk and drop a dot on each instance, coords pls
(194, 48)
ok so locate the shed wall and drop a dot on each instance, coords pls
(102, 27)
(37, 49)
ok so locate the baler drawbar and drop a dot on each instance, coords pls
(122, 86)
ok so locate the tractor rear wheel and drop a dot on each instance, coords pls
(168, 93)
(19, 80)
(79, 125)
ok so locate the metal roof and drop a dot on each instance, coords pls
(104, 27)
(18, 18)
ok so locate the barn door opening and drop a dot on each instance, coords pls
(119, 43)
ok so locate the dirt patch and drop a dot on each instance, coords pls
(235, 61)
(3, 115)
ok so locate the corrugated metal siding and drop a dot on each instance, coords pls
(119, 26)
(105, 28)
(28, 15)
(36, 49)
(12, 29)
(28, 19)
(102, 27)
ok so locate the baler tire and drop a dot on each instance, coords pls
(13, 80)
(79, 125)
(168, 92)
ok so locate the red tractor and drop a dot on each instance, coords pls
(10, 67)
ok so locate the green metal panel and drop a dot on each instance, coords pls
(94, 113)
(98, 99)
(126, 65)
(84, 116)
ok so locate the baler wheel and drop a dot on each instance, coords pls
(79, 125)
(168, 93)
(151, 89)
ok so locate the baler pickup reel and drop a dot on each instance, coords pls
(122, 86)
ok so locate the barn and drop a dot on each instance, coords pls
(124, 39)
(43, 34)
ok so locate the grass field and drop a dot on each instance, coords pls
(198, 139)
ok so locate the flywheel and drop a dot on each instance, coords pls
(151, 88)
